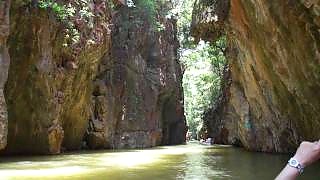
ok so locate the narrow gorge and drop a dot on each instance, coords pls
(158, 89)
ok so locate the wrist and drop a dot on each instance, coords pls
(300, 160)
(288, 173)
(296, 164)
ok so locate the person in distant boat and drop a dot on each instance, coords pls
(307, 153)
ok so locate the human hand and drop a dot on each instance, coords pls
(308, 153)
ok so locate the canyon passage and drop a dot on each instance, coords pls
(86, 84)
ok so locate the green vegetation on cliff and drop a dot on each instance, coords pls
(83, 20)
(153, 10)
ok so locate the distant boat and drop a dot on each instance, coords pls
(208, 142)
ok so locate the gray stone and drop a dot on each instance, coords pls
(4, 68)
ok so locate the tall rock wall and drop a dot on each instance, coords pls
(50, 78)
(272, 102)
(103, 78)
(137, 100)
(4, 67)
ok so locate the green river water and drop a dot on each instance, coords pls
(192, 161)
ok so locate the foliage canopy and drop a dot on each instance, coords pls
(203, 65)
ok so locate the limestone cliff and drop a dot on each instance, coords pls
(4, 67)
(273, 101)
(137, 100)
(50, 77)
(102, 78)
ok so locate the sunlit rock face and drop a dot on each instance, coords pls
(273, 100)
(81, 85)
(49, 85)
(137, 100)
(4, 67)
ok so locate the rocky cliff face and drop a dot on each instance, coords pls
(50, 78)
(137, 100)
(73, 82)
(272, 102)
(4, 67)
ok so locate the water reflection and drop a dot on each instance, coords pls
(192, 161)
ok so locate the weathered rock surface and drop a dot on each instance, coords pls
(49, 85)
(137, 100)
(4, 67)
(72, 85)
(273, 100)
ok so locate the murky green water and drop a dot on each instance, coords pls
(190, 161)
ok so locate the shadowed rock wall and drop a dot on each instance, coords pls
(4, 67)
(272, 102)
(137, 100)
